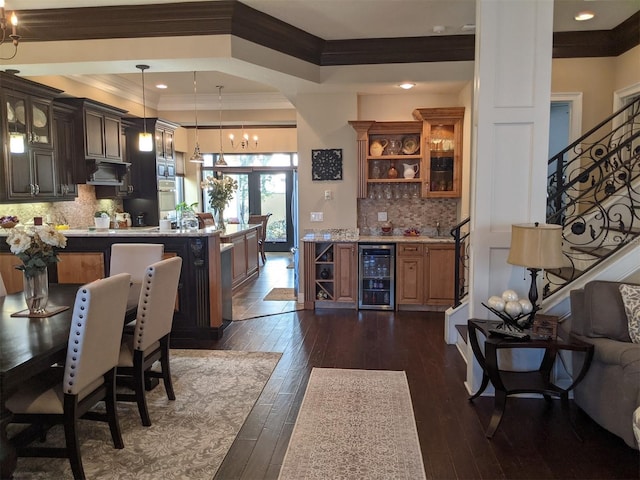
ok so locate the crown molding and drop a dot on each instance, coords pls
(231, 17)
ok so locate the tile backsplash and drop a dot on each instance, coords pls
(423, 214)
(78, 213)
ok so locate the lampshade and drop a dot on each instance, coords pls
(145, 142)
(536, 245)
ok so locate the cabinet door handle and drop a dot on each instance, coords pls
(37, 189)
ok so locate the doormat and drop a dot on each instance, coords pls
(280, 295)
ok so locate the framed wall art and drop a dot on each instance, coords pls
(326, 164)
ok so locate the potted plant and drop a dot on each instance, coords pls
(102, 220)
(186, 216)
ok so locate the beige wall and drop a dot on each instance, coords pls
(627, 69)
(594, 77)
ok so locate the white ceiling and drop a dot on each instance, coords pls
(330, 20)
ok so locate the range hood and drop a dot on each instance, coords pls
(106, 172)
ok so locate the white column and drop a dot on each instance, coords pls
(512, 95)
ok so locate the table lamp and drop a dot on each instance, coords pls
(536, 246)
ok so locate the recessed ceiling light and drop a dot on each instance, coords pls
(582, 16)
(407, 85)
(438, 29)
(468, 27)
(161, 86)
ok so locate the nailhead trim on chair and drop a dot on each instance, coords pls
(143, 314)
(77, 332)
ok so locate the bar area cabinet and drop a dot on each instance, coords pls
(442, 147)
(390, 161)
(332, 274)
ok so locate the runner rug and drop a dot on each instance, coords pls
(354, 424)
(280, 295)
(188, 438)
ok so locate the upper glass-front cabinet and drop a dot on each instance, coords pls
(29, 117)
(442, 140)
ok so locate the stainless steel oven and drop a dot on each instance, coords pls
(166, 197)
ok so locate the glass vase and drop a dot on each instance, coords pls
(220, 219)
(36, 291)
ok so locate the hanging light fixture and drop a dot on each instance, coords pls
(244, 143)
(145, 139)
(4, 26)
(197, 156)
(220, 160)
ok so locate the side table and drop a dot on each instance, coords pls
(513, 382)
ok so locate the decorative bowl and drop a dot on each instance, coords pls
(8, 224)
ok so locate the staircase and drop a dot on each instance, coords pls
(593, 191)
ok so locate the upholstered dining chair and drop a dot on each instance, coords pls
(205, 219)
(150, 340)
(262, 220)
(134, 258)
(88, 377)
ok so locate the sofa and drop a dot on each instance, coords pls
(610, 391)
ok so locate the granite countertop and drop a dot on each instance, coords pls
(376, 238)
(134, 232)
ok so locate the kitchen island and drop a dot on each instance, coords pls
(199, 304)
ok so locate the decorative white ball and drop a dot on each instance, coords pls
(513, 309)
(496, 303)
(509, 296)
(526, 305)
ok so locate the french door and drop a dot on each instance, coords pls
(261, 192)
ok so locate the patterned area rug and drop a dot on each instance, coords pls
(188, 439)
(354, 424)
(281, 295)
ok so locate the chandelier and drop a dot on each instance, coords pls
(244, 142)
(197, 156)
(4, 26)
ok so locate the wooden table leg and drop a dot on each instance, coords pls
(500, 400)
(8, 457)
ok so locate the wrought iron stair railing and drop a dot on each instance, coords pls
(460, 232)
(593, 191)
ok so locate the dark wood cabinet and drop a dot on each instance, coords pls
(64, 138)
(28, 161)
(149, 168)
(98, 148)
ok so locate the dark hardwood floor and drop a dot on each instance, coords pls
(534, 440)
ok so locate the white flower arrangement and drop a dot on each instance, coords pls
(36, 248)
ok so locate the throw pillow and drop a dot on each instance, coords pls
(631, 300)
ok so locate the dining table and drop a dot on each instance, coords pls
(31, 345)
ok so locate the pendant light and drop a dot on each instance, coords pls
(145, 139)
(220, 160)
(197, 156)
